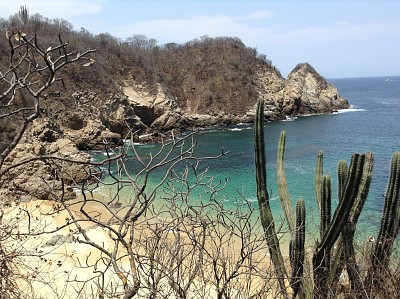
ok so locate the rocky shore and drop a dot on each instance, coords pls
(68, 131)
(304, 92)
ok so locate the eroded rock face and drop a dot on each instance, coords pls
(91, 123)
(42, 178)
(309, 93)
(93, 120)
(94, 136)
(303, 92)
(120, 116)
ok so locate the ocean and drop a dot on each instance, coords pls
(372, 124)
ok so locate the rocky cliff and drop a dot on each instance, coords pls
(88, 117)
(303, 92)
(150, 91)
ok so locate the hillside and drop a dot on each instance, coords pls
(148, 87)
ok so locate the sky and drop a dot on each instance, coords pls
(340, 39)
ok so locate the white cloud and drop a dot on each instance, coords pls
(259, 14)
(52, 8)
(266, 30)
(182, 30)
(342, 32)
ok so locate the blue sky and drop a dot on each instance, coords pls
(356, 38)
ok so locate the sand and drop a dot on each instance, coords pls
(59, 269)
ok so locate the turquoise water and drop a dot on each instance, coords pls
(371, 125)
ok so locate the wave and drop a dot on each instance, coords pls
(240, 129)
(290, 118)
(254, 199)
(351, 110)
(108, 153)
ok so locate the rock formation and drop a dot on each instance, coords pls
(41, 178)
(144, 94)
(303, 92)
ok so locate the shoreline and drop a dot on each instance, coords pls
(156, 135)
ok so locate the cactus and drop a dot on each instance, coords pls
(325, 211)
(345, 253)
(349, 230)
(297, 247)
(296, 226)
(340, 218)
(267, 220)
(319, 177)
(390, 220)
(353, 187)
(282, 183)
(342, 212)
(342, 177)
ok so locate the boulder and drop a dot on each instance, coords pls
(121, 116)
(94, 136)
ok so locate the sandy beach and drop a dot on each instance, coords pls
(59, 265)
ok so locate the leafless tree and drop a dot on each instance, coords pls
(31, 70)
(161, 231)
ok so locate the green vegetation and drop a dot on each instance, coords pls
(333, 254)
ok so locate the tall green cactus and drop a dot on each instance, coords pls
(318, 177)
(296, 225)
(345, 252)
(340, 218)
(342, 177)
(266, 217)
(342, 212)
(326, 201)
(297, 247)
(282, 183)
(353, 187)
(390, 221)
(349, 230)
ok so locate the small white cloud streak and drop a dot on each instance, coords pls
(259, 14)
(340, 32)
(52, 8)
